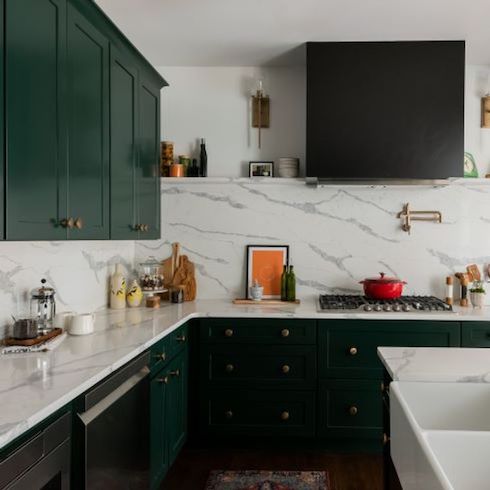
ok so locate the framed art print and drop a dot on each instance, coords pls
(265, 264)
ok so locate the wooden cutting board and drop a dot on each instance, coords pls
(185, 276)
(169, 266)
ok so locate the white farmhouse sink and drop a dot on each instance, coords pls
(440, 435)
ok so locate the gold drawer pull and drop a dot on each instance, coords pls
(285, 369)
(229, 414)
(161, 356)
(229, 368)
(163, 380)
(175, 373)
(353, 410)
(78, 223)
(386, 439)
(285, 332)
(353, 351)
(228, 332)
(67, 223)
(181, 338)
(285, 415)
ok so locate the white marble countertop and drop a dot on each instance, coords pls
(437, 364)
(35, 385)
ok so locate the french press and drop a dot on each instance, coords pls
(43, 307)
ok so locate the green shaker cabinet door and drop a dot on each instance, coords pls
(158, 434)
(148, 172)
(176, 405)
(35, 52)
(88, 123)
(124, 82)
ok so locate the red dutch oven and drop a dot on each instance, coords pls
(383, 287)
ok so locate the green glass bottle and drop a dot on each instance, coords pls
(284, 279)
(291, 285)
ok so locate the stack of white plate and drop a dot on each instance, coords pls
(288, 167)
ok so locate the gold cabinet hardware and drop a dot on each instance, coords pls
(175, 373)
(228, 332)
(382, 387)
(285, 332)
(67, 223)
(285, 415)
(229, 368)
(163, 380)
(229, 414)
(353, 410)
(78, 223)
(386, 439)
(285, 369)
(181, 338)
(353, 351)
(161, 356)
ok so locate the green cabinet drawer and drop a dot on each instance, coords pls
(349, 348)
(258, 331)
(258, 413)
(350, 408)
(475, 334)
(292, 366)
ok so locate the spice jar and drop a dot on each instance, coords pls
(177, 294)
(150, 275)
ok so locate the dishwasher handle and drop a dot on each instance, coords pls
(96, 410)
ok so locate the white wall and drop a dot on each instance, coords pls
(214, 103)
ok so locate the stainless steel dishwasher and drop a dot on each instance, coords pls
(112, 431)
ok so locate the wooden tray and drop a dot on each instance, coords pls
(38, 340)
(267, 302)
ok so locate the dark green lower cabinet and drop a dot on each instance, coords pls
(475, 334)
(168, 426)
(349, 408)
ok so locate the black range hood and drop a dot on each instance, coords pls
(390, 112)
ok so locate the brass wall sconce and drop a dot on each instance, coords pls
(408, 216)
(260, 111)
(485, 111)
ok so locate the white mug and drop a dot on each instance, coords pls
(82, 324)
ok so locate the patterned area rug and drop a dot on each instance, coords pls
(268, 480)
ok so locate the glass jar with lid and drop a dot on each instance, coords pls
(150, 275)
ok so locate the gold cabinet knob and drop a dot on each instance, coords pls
(382, 386)
(161, 356)
(353, 351)
(229, 332)
(175, 373)
(229, 368)
(78, 223)
(67, 223)
(146, 227)
(285, 332)
(163, 380)
(386, 439)
(181, 338)
(285, 369)
(285, 415)
(353, 410)
(229, 414)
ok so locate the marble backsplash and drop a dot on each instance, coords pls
(78, 270)
(337, 235)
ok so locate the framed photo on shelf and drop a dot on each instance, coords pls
(261, 169)
(265, 264)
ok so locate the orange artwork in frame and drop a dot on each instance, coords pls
(265, 263)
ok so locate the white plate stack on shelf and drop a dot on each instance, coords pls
(288, 167)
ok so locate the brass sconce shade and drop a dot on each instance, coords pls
(485, 111)
(260, 111)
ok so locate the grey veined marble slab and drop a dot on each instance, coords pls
(437, 364)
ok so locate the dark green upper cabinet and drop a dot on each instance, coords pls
(148, 173)
(36, 140)
(66, 94)
(88, 123)
(124, 82)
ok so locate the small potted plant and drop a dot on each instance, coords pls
(477, 294)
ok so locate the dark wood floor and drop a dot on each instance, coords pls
(346, 471)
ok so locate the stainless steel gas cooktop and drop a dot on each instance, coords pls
(333, 303)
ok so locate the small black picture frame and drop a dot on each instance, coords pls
(261, 169)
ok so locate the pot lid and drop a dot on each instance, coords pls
(43, 292)
(382, 279)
